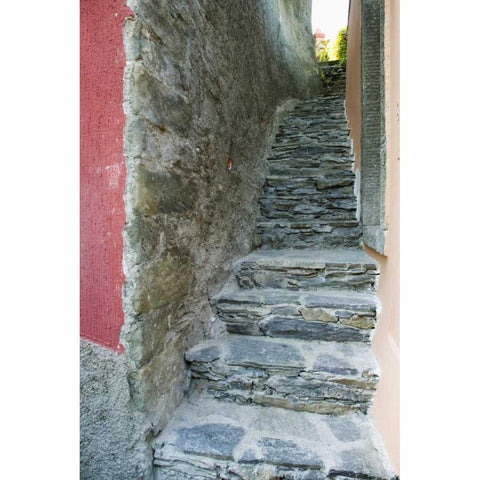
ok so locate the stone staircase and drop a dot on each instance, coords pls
(285, 393)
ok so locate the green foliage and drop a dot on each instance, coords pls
(339, 50)
(322, 52)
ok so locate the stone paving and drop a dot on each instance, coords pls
(211, 439)
(285, 392)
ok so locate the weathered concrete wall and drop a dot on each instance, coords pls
(204, 82)
(112, 433)
(386, 341)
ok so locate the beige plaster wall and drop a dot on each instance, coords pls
(386, 408)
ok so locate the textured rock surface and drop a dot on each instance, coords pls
(112, 433)
(204, 81)
(333, 78)
(308, 199)
(326, 315)
(267, 444)
(307, 270)
(322, 377)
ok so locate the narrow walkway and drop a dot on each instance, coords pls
(286, 394)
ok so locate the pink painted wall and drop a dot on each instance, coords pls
(386, 341)
(102, 170)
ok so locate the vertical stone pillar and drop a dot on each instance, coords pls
(372, 190)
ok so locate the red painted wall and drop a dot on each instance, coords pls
(102, 169)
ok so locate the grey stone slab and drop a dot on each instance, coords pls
(253, 351)
(215, 439)
(312, 258)
(287, 452)
(203, 353)
(308, 330)
(345, 430)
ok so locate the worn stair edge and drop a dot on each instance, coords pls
(320, 377)
(208, 439)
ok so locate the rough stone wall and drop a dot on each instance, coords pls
(205, 81)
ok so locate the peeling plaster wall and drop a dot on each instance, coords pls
(204, 81)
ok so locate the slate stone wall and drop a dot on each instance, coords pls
(205, 81)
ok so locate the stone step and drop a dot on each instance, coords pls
(313, 128)
(329, 315)
(312, 169)
(334, 124)
(288, 211)
(343, 161)
(307, 270)
(310, 376)
(301, 203)
(207, 439)
(324, 113)
(318, 179)
(318, 110)
(307, 234)
(319, 225)
(300, 166)
(273, 239)
(310, 150)
(299, 140)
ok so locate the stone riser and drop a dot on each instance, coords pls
(300, 376)
(353, 277)
(323, 120)
(286, 209)
(313, 132)
(307, 205)
(193, 468)
(315, 161)
(292, 142)
(279, 238)
(306, 316)
(283, 151)
(328, 187)
(330, 172)
(307, 167)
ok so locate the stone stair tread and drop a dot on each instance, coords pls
(310, 258)
(307, 223)
(307, 269)
(314, 376)
(327, 297)
(352, 358)
(208, 439)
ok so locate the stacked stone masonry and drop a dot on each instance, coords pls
(284, 392)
